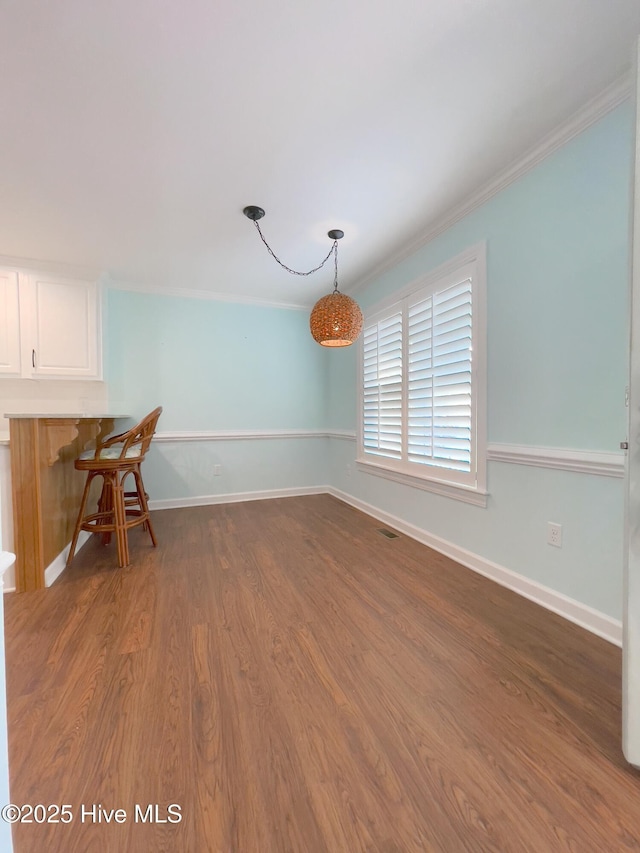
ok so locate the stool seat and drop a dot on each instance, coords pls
(114, 452)
(115, 459)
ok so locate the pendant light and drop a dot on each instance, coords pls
(336, 319)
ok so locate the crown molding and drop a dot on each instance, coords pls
(154, 290)
(577, 123)
(27, 265)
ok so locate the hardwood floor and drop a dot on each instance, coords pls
(296, 682)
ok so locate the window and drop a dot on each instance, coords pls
(422, 382)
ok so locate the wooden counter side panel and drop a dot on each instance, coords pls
(61, 487)
(27, 521)
(47, 488)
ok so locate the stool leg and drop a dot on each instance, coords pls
(105, 504)
(142, 497)
(78, 527)
(120, 519)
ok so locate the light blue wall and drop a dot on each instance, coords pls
(214, 365)
(217, 366)
(557, 270)
(342, 368)
(512, 530)
(557, 260)
(175, 471)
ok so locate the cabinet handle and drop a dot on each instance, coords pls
(33, 358)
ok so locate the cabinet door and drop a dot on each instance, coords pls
(9, 324)
(65, 328)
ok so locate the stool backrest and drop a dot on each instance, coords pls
(137, 439)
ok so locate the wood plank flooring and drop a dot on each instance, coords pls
(297, 683)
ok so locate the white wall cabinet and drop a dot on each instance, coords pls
(9, 324)
(50, 326)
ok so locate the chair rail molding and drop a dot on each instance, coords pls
(601, 463)
(249, 434)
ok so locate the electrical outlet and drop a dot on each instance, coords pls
(217, 470)
(554, 534)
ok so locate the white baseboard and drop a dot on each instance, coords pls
(57, 567)
(236, 497)
(7, 560)
(581, 614)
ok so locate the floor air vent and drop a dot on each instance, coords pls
(388, 534)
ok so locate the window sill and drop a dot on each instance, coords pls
(477, 497)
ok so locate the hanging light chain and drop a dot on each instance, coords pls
(333, 250)
(336, 320)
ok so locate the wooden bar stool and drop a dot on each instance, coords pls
(114, 459)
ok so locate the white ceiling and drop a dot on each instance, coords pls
(133, 132)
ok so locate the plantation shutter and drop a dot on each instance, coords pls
(439, 405)
(382, 377)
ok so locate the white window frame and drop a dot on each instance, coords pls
(470, 487)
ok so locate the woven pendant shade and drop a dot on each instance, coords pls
(336, 320)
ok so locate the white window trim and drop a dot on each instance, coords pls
(391, 469)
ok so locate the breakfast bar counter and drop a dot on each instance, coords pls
(47, 489)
